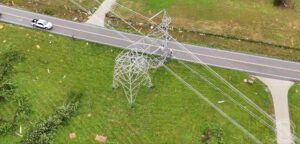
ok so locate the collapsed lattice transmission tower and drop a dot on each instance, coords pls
(132, 67)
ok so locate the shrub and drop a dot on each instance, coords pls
(7, 91)
(5, 127)
(7, 61)
(212, 134)
(44, 131)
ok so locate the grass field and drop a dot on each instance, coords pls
(247, 19)
(294, 103)
(167, 113)
(59, 8)
(258, 20)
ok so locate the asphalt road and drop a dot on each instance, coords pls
(257, 65)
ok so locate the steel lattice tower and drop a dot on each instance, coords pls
(132, 67)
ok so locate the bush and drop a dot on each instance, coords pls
(212, 134)
(5, 127)
(44, 131)
(7, 61)
(7, 91)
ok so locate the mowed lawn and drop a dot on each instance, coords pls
(294, 105)
(167, 113)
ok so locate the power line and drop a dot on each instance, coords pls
(221, 112)
(214, 106)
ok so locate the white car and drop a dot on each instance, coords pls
(41, 24)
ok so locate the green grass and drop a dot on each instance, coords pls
(59, 8)
(167, 113)
(258, 20)
(247, 19)
(294, 103)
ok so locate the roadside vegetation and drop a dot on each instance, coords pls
(267, 27)
(53, 66)
(247, 26)
(294, 107)
(59, 8)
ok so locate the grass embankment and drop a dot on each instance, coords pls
(247, 19)
(59, 8)
(167, 113)
(294, 105)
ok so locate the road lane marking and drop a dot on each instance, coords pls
(94, 26)
(216, 65)
(181, 51)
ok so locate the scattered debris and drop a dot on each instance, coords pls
(87, 43)
(48, 70)
(4, 41)
(20, 132)
(1, 26)
(72, 135)
(89, 115)
(220, 102)
(38, 46)
(140, 24)
(101, 138)
(267, 90)
(249, 80)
